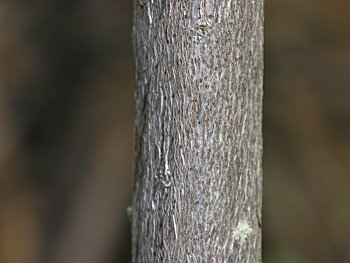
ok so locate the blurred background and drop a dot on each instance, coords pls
(66, 109)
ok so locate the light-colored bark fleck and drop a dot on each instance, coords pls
(198, 131)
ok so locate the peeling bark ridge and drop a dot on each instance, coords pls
(198, 131)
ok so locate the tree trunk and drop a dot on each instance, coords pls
(198, 131)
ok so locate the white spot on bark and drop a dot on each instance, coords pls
(175, 228)
(166, 183)
(242, 232)
(149, 15)
(166, 177)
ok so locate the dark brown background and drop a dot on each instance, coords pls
(66, 108)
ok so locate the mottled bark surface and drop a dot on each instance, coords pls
(198, 131)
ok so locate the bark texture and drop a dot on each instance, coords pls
(198, 131)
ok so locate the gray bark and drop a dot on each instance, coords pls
(198, 131)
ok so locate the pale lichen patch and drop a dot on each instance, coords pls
(129, 212)
(242, 232)
(203, 27)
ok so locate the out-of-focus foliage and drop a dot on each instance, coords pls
(66, 107)
(307, 129)
(65, 130)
